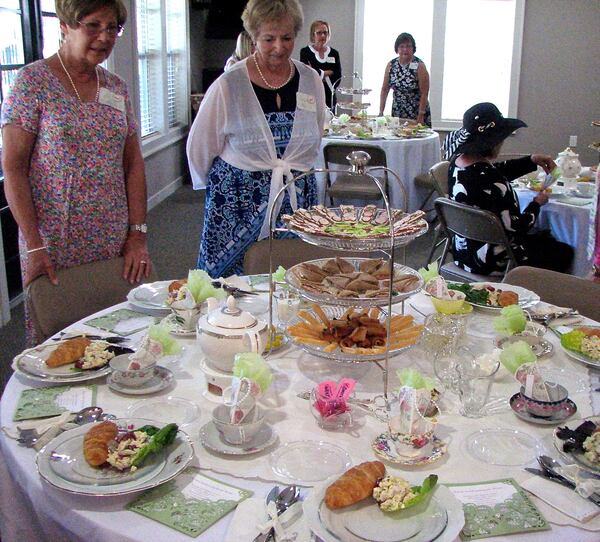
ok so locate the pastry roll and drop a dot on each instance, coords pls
(96, 440)
(354, 485)
(68, 352)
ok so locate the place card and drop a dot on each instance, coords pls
(123, 322)
(497, 507)
(191, 503)
(52, 401)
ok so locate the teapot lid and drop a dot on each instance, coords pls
(231, 316)
(568, 152)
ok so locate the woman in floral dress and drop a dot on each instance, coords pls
(408, 77)
(259, 124)
(74, 173)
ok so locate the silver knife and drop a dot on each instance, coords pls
(562, 481)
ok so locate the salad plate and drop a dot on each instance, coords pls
(577, 456)
(165, 410)
(441, 520)
(212, 439)
(519, 407)
(527, 298)
(161, 380)
(504, 447)
(385, 447)
(61, 464)
(151, 296)
(576, 354)
(31, 363)
(540, 347)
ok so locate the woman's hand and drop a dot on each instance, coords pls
(38, 264)
(421, 118)
(541, 198)
(137, 260)
(544, 161)
(327, 73)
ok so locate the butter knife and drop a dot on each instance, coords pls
(562, 481)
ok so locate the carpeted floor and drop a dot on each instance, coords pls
(173, 238)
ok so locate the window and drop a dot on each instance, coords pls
(162, 67)
(484, 35)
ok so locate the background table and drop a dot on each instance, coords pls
(405, 157)
(568, 219)
(33, 510)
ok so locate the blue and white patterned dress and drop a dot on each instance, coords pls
(236, 205)
(407, 95)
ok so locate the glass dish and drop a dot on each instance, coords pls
(292, 279)
(309, 461)
(503, 447)
(165, 410)
(338, 355)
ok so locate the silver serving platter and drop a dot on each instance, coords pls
(292, 279)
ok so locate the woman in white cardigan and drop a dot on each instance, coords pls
(259, 124)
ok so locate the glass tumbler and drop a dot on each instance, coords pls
(442, 333)
(474, 383)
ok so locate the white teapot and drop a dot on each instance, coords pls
(569, 164)
(227, 331)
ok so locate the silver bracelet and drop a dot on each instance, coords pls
(44, 247)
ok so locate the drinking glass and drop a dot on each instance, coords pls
(445, 364)
(442, 333)
(474, 382)
(287, 303)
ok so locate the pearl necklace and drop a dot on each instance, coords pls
(73, 84)
(272, 87)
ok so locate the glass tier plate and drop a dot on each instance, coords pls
(292, 279)
(505, 447)
(348, 242)
(61, 463)
(305, 462)
(338, 355)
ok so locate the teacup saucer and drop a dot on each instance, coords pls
(384, 446)
(539, 346)
(213, 440)
(162, 379)
(175, 327)
(519, 407)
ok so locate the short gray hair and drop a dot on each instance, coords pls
(258, 12)
(71, 12)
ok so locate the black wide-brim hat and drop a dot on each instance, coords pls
(483, 128)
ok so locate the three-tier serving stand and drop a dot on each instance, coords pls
(358, 166)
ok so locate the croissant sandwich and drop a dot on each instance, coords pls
(354, 485)
(95, 442)
(68, 352)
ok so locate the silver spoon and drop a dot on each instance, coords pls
(87, 415)
(286, 498)
(271, 497)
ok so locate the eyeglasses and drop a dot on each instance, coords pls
(322, 33)
(94, 29)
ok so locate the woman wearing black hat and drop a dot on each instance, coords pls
(474, 179)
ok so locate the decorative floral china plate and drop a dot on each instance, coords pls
(386, 447)
(175, 328)
(576, 456)
(527, 298)
(213, 440)
(161, 380)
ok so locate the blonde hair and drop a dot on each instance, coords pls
(243, 46)
(258, 12)
(313, 29)
(71, 12)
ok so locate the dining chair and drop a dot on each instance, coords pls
(559, 289)
(81, 291)
(471, 223)
(289, 252)
(435, 181)
(354, 187)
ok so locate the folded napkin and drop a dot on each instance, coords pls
(47, 428)
(251, 514)
(562, 498)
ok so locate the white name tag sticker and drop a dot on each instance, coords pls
(413, 65)
(306, 102)
(107, 97)
(330, 59)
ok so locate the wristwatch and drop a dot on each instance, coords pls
(138, 227)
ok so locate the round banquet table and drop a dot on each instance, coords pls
(405, 157)
(33, 510)
(568, 219)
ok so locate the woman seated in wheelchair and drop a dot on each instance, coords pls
(475, 179)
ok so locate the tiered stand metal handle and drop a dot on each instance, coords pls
(358, 166)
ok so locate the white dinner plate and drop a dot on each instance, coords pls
(443, 505)
(578, 457)
(580, 356)
(527, 298)
(61, 464)
(151, 296)
(31, 363)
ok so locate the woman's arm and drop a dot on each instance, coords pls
(336, 72)
(423, 78)
(135, 250)
(385, 88)
(16, 154)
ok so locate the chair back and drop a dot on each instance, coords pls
(81, 291)
(559, 289)
(471, 223)
(288, 252)
(439, 175)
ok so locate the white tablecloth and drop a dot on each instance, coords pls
(38, 507)
(405, 157)
(568, 223)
